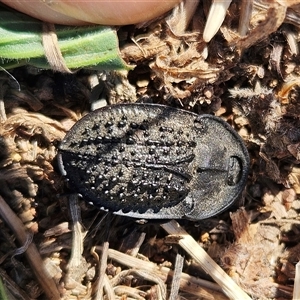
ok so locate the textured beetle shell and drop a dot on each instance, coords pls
(154, 161)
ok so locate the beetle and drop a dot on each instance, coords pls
(152, 161)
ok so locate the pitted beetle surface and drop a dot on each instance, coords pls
(154, 161)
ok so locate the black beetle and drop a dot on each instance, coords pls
(154, 161)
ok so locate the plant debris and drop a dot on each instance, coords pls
(249, 77)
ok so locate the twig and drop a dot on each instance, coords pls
(296, 293)
(78, 234)
(33, 256)
(102, 269)
(129, 292)
(77, 230)
(230, 288)
(102, 282)
(108, 289)
(245, 17)
(195, 286)
(176, 277)
(145, 275)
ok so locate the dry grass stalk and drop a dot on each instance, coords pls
(32, 253)
(229, 287)
(296, 293)
(176, 277)
(189, 284)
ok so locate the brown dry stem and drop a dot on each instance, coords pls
(32, 254)
(229, 287)
(190, 284)
(175, 286)
(52, 50)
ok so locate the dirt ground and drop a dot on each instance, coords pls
(250, 81)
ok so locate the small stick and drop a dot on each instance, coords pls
(245, 17)
(176, 277)
(296, 293)
(74, 266)
(32, 254)
(108, 289)
(195, 286)
(229, 287)
(103, 266)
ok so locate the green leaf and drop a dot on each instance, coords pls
(3, 295)
(82, 47)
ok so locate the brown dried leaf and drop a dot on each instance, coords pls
(33, 123)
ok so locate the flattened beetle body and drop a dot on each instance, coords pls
(154, 161)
